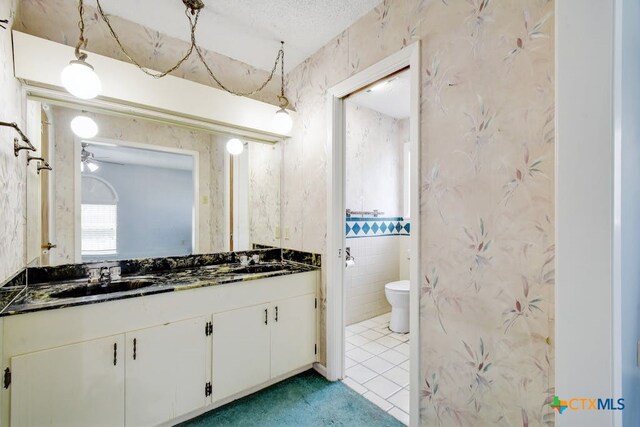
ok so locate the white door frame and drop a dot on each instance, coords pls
(408, 56)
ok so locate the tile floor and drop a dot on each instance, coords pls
(377, 365)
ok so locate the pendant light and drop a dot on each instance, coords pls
(79, 78)
(282, 121)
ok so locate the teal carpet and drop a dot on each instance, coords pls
(307, 399)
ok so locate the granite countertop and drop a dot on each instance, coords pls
(69, 293)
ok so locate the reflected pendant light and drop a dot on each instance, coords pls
(235, 146)
(84, 127)
(78, 78)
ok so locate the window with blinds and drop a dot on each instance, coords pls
(99, 229)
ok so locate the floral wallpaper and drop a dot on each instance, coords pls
(487, 195)
(487, 183)
(12, 169)
(211, 173)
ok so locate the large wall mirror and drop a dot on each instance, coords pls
(140, 188)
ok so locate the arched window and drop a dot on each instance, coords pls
(99, 217)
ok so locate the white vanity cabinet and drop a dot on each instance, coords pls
(241, 355)
(166, 371)
(157, 359)
(73, 385)
(255, 344)
(293, 334)
(141, 378)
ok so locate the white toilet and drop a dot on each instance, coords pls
(397, 294)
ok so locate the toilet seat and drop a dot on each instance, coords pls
(399, 286)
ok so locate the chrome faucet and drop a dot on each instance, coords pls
(105, 276)
(245, 260)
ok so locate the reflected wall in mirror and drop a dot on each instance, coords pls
(141, 188)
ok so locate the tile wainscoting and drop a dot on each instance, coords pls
(377, 262)
(374, 227)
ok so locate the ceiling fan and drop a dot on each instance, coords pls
(89, 161)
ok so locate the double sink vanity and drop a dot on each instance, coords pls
(171, 338)
(156, 286)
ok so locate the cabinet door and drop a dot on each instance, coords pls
(293, 335)
(166, 371)
(74, 385)
(240, 350)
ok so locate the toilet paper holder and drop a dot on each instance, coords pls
(349, 261)
(348, 257)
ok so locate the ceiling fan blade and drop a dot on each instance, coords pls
(108, 161)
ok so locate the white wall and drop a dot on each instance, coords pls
(376, 264)
(584, 197)
(630, 186)
(374, 161)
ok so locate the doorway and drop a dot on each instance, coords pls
(377, 232)
(407, 60)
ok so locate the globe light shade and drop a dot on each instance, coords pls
(84, 127)
(282, 122)
(235, 146)
(79, 79)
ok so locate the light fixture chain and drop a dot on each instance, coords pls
(82, 42)
(223, 87)
(193, 21)
(284, 102)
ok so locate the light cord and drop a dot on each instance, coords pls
(193, 22)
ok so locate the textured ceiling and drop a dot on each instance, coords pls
(393, 99)
(249, 30)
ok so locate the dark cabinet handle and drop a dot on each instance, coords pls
(276, 313)
(266, 316)
(135, 345)
(115, 353)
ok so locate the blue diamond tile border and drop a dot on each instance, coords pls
(357, 227)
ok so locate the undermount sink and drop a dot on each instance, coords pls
(90, 290)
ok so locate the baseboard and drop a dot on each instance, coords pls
(237, 396)
(321, 369)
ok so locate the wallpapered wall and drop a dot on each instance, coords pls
(211, 173)
(487, 198)
(12, 170)
(265, 167)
